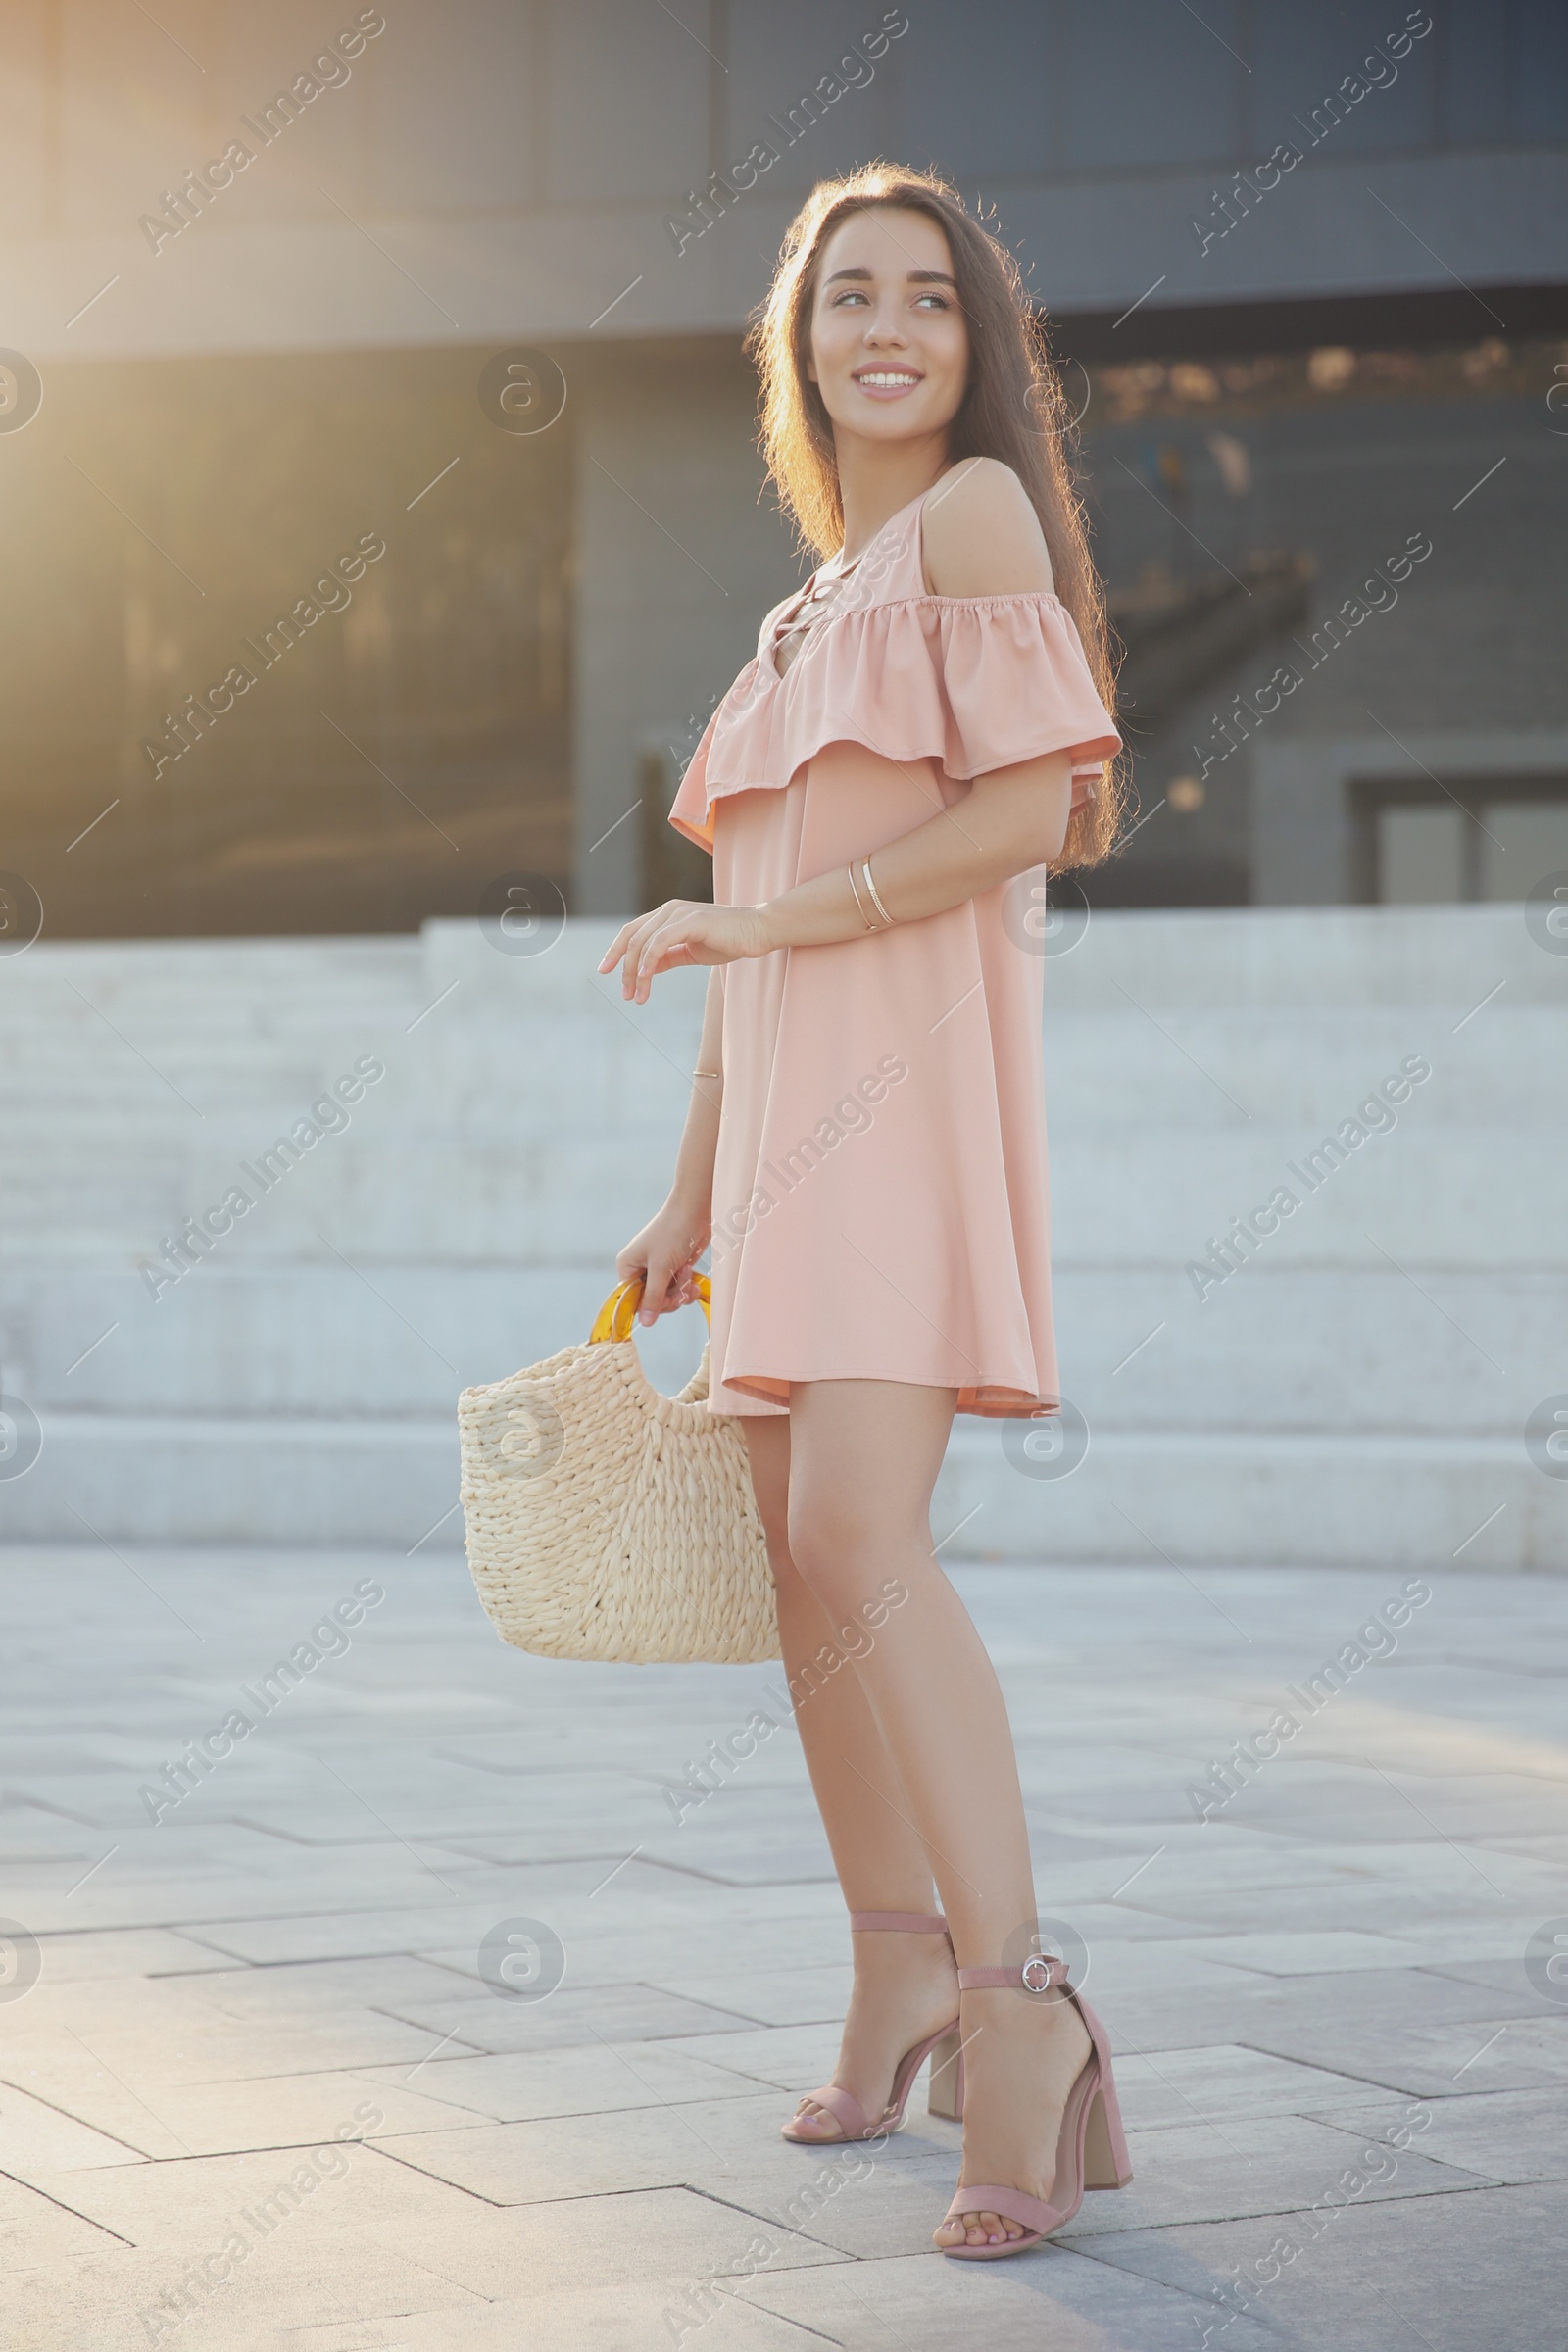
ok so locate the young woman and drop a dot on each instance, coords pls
(923, 732)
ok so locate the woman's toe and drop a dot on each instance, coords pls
(976, 2230)
(815, 2123)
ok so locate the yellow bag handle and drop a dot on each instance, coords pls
(615, 1317)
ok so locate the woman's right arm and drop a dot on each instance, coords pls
(666, 1250)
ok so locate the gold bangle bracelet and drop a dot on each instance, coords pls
(858, 901)
(866, 868)
(708, 1073)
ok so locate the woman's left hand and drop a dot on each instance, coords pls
(683, 931)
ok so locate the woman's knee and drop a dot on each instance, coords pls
(836, 1546)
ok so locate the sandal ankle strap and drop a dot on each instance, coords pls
(1042, 1972)
(898, 1923)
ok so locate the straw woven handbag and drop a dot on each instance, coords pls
(605, 1520)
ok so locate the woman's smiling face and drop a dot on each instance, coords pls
(888, 348)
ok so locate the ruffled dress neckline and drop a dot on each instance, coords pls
(972, 682)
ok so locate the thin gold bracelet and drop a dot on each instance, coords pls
(708, 1073)
(858, 901)
(866, 868)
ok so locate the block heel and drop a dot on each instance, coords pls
(944, 2090)
(1105, 2164)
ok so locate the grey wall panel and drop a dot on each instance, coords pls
(1148, 84)
(518, 161)
(1006, 59)
(680, 554)
(777, 56)
(628, 104)
(1541, 71)
(457, 125)
(1302, 57)
(1477, 77)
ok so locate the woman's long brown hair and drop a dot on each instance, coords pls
(1014, 409)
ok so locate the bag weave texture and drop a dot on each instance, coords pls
(605, 1520)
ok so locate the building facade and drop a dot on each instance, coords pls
(377, 448)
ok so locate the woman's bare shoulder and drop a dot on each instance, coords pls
(982, 536)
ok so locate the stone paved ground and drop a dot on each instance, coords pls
(1319, 1995)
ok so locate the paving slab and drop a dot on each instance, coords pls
(37, 2137)
(1488, 2050)
(387, 1982)
(1361, 2023)
(288, 2282)
(774, 1996)
(187, 2040)
(337, 2186)
(1440, 1919)
(1373, 2275)
(573, 2081)
(115, 1954)
(731, 2148)
(1505, 1972)
(1512, 2136)
(1223, 2169)
(624, 2318)
(1316, 1952)
(1340, 1946)
(676, 2236)
(571, 2017)
(1214, 2080)
(35, 2228)
(1052, 2297)
(219, 2119)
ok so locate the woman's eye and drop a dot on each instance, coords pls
(939, 300)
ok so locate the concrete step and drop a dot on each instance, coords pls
(1274, 1349)
(501, 1074)
(1350, 1385)
(1452, 1201)
(1190, 1068)
(1234, 1497)
(1280, 958)
(1197, 1082)
(1439, 1199)
(1307, 958)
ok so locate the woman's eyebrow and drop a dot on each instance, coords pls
(915, 277)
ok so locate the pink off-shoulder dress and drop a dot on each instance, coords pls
(880, 1189)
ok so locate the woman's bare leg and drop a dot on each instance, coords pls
(863, 1459)
(906, 1986)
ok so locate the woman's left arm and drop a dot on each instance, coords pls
(982, 538)
(1010, 821)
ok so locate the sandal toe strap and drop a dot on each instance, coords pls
(1031, 2212)
(851, 2118)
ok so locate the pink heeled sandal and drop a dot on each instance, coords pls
(945, 2097)
(1092, 2149)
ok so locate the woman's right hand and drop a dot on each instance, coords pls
(665, 1253)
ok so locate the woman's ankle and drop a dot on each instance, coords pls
(898, 1957)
